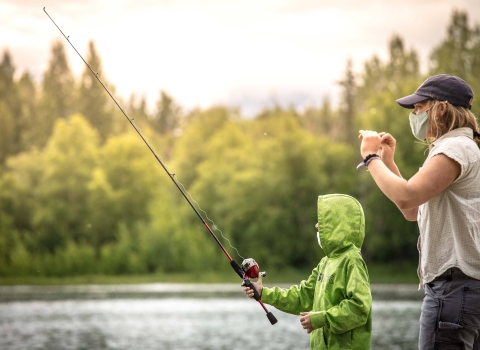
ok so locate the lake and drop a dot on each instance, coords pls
(178, 317)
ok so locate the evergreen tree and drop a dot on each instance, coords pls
(322, 121)
(137, 108)
(391, 237)
(7, 71)
(17, 99)
(190, 149)
(58, 93)
(168, 115)
(459, 53)
(347, 109)
(9, 135)
(93, 101)
(28, 111)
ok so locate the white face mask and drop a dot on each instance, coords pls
(319, 241)
(419, 124)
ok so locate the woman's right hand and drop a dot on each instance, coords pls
(257, 285)
(387, 147)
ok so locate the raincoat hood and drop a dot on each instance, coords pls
(341, 223)
(337, 292)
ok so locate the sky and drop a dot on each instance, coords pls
(250, 54)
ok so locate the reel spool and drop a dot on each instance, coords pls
(250, 267)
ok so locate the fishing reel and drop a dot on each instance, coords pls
(251, 269)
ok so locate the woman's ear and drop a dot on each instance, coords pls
(442, 106)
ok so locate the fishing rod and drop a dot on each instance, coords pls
(249, 268)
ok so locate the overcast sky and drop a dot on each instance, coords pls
(245, 53)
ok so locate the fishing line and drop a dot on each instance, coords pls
(152, 149)
(214, 226)
(249, 268)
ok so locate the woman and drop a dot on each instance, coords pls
(444, 197)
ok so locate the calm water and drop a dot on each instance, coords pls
(177, 317)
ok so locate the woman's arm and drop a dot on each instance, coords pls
(386, 151)
(430, 180)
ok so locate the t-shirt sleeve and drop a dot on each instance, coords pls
(459, 150)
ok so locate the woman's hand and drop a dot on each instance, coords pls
(257, 285)
(387, 147)
(306, 322)
(371, 142)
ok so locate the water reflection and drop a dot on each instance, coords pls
(177, 317)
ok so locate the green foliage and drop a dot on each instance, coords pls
(190, 149)
(58, 95)
(262, 179)
(347, 108)
(323, 121)
(459, 53)
(16, 109)
(68, 160)
(388, 234)
(80, 194)
(168, 116)
(93, 101)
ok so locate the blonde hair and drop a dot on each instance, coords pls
(453, 117)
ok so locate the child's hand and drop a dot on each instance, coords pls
(305, 321)
(257, 285)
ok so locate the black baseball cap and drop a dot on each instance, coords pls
(442, 87)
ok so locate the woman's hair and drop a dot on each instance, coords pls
(454, 117)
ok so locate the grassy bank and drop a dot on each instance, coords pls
(378, 274)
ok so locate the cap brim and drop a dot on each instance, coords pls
(410, 100)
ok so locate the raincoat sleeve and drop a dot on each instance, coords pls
(295, 299)
(353, 311)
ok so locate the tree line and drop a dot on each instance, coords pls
(81, 194)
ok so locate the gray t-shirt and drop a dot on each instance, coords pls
(450, 222)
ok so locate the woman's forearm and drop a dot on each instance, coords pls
(393, 167)
(391, 183)
(411, 213)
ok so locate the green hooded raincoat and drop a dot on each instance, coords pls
(337, 293)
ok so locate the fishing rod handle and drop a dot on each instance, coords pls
(271, 318)
(248, 283)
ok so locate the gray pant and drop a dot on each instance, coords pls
(450, 318)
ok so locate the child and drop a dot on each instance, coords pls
(335, 303)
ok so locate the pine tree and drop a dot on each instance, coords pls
(58, 93)
(459, 53)
(347, 108)
(6, 75)
(27, 92)
(93, 102)
(9, 110)
(322, 121)
(137, 109)
(381, 84)
(168, 115)
(6, 117)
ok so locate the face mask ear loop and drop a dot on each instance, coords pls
(319, 240)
